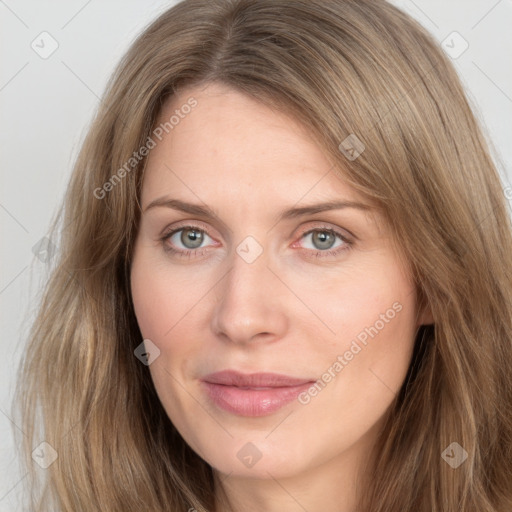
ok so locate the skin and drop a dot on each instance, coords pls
(293, 310)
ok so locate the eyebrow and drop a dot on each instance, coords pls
(291, 213)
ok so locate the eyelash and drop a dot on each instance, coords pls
(195, 253)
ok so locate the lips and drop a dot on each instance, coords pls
(255, 394)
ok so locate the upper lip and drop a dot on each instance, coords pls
(238, 379)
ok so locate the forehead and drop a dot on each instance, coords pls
(232, 146)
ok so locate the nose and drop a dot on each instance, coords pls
(250, 304)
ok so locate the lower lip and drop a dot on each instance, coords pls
(252, 402)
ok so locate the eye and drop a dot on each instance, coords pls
(323, 239)
(187, 240)
(323, 242)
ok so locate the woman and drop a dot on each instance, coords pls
(284, 277)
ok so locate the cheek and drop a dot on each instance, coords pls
(357, 302)
(162, 307)
(162, 298)
(371, 316)
(151, 307)
(170, 310)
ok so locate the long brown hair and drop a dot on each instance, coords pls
(350, 71)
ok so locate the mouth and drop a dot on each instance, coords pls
(255, 394)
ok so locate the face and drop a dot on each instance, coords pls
(255, 260)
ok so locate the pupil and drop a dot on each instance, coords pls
(191, 238)
(323, 239)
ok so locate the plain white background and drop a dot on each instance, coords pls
(47, 103)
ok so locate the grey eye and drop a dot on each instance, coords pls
(191, 238)
(323, 239)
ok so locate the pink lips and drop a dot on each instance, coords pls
(255, 394)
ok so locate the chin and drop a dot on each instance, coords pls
(256, 459)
